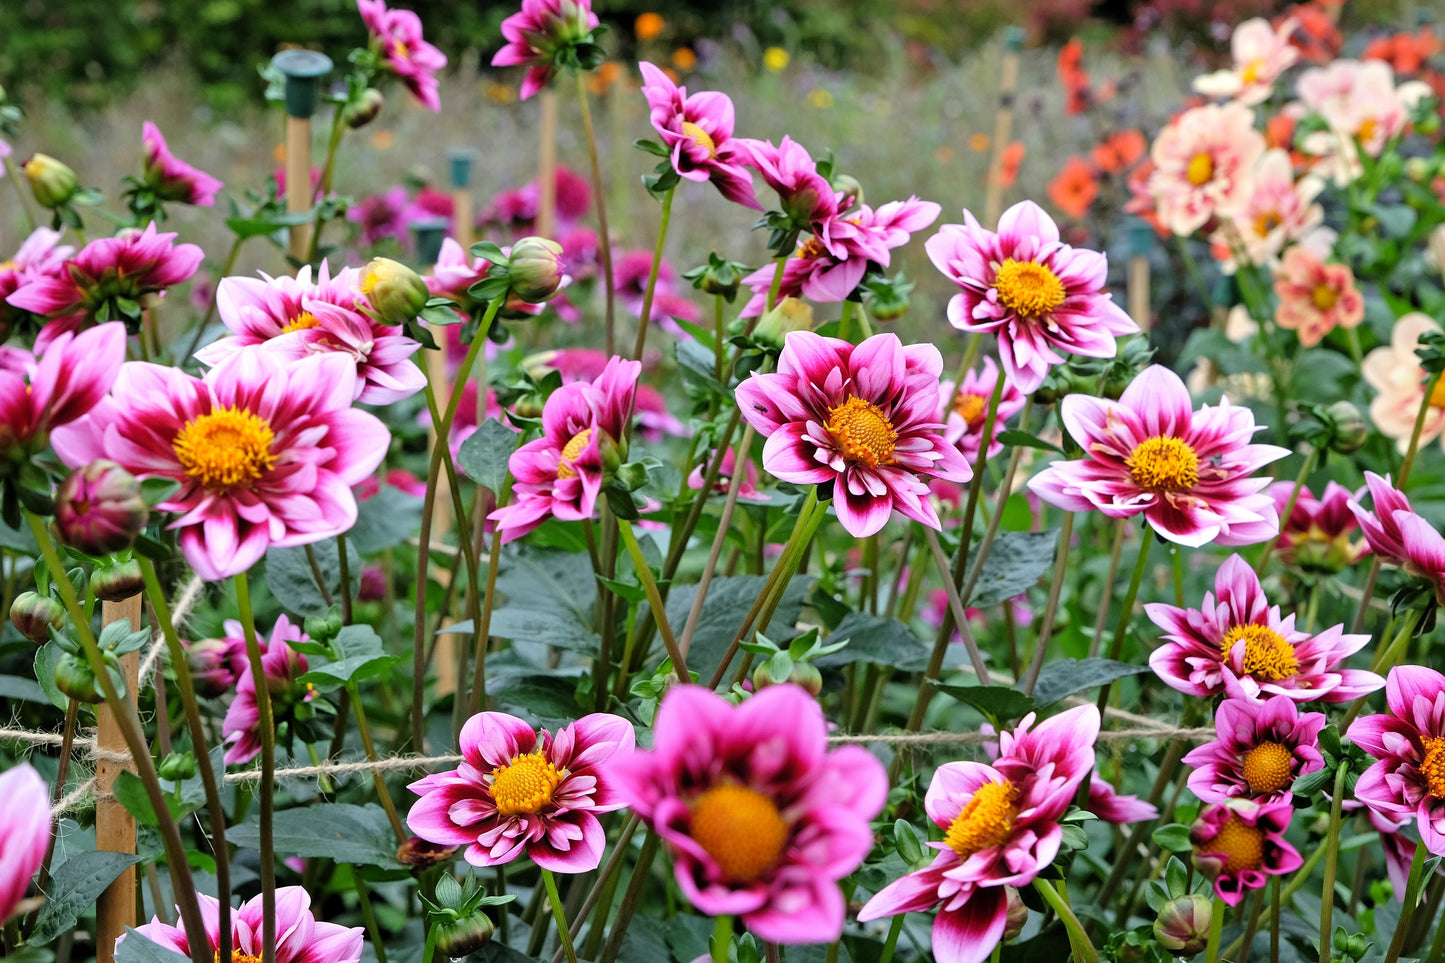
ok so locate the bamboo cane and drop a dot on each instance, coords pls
(114, 825)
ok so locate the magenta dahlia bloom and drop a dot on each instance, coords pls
(135, 265)
(382, 216)
(805, 195)
(396, 39)
(241, 729)
(760, 818)
(1262, 747)
(650, 408)
(1001, 829)
(38, 394)
(1238, 644)
(1189, 472)
(1041, 298)
(964, 408)
(266, 452)
(1398, 535)
(560, 474)
(300, 936)
(1317, 535)
(24, 832)
(859, 418)
(1112, 806)
(171, 178)
(1240, 844)
(747, 488)
(537, 32)
(40, 256)
(699, 131)
(517, 793)
(1408, 779)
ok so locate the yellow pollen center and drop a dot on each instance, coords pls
(1437, 394)
(970, 409)
(1241, 843)
(570, 451)
(811, 248)
(985, 820)
(1163, 464)
(524, 785)
(863, 432)
(1267, 656)
(400, 49)
(1028, 288)
(1267, 768)
(1433, 766)
(301, 322)
(1267, 222)
(1323, 297)
(1367, 129)
(1200, 170)
(741, 829)
(701, 138)
(225, 449)
(7, 265)
(1252, 70)
(238, 957)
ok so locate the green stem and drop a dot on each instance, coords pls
(654, 599)
(722, 938)
(1412, 896)
(1332, 851)
(955, 604)
(1252, 926)
(267, 788)
(891, 944)
(1120, 527)
(1299, 484)
(1216, 927)
(1041, 645)
(559, 915)
(323, 187)
(1126, 612)
(1300, 877)
(717, 338)
(363, 896)
(211, 308)
(604, 244)
(652, 273)
(631, 896)
(483, 632)
(431, 942)
(1084, 951)
(25, 208)
(343, 565)
(382, 791)
(777, 286)
(845, 320)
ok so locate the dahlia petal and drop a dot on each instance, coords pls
(968, 933)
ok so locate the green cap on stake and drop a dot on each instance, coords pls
(459, 161)
(429, 233)
(1141, 238)
(304, 70)
(1013, 38)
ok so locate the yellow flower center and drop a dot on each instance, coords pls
(1267, 768)
(970, 409)
(1266, 222)
(1028, 288)
(811, 248)
(863, 432)
(1433, 767)
(225, 449)
(701, 138)
(1241, 842)
(1367, 129)
(1267, 656)
(1163, 464)
(1200, 170)
(524, 785)
(741, 829)
(238, 957)
(570, 451)
(985, 820)
(399, 48)
(301, 322)
(7, 265)
(1323, 297)
(1252, 70)
(1437, 394)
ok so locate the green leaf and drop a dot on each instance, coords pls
(700, 367)
(289, 577)
(335, 831)
(157, 490)
(877, 640)
(1022, 439)
(1173, 837)
(136, 948)
(21, 688)
(361, 658)
(547, 599)
(727, 603)
(46, 658)
(258, 227)
(385, 520)
(1063, 677)
(1016, 562)
(998, 702)
(484, 455)
(74, 888)
(543, 699)
(652, 147)
(18, 540)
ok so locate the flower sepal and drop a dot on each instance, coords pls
(456, 913)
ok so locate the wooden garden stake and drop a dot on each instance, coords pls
(1003, 122)
(460, 166)
(1141, 239)
(547, 166)
(114, 826)
(304, 70)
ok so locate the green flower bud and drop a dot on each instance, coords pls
(1351, 431)
(363, 110)
(790, 314)
(177, 766)
(396, 292)
(1182, 927)
(464, 935)
(535, 269)
(35, 615)
(117, 581)
(1018, 914)
(74, 678)
(52, 183)
(805, 675)
(851, 190)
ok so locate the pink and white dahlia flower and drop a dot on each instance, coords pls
(24, 832)
(517, 793)
(761, 819)
(1277, 210)
(1041, 298)
(300, 936)
(1240, 844)
(1315, 297)
(805, 195)
(1261, 749)
(40, 256)
(1239, 644)
(1261, 53)
(699, 132)
(397, 39)
(965, 408)
(1189, 472)
(1320, 533)
(1408, 779)
(862, 419)
(281, 664)
(1112, 806)
(171, 178)
(1395, 372)
(62, 385)
(537, 32)
(266, 452)
(1400, 536)
(1001, 829)
(1204, 165)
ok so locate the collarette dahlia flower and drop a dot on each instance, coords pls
(699, 132)
(1315, 297)
(806, 196)
(859, 418)
(537, 32)
(266, 452)
(1278, 210)
(965, 409)
(171, 178)
(1204, 165)
(1408, 779)
(1394, 371)
(1262, 747)
(40, 256)
(1189, 472)
(1240, 844)
(1397, 535)
(24, 832)
(516, 793)
(1038, 296)
(1261, 53)
(71, 377)
(761, 819)
(1318, 535)
(259, 309)
(1001, 829)
(396, 37)
(300, 936)
(1237, 643)
(281, 664)
(560, 474)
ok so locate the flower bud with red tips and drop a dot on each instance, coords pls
(52, 182)
(535, 268)
(35, 615)
(99, 509)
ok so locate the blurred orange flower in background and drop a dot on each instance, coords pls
(1317, 37)
(1073, 76)
(1120, 151)
(1074, 189)
(1405, 52)
(604, 77)
(978, 143)
(648, 26)
(1008, 163)
(683, 58)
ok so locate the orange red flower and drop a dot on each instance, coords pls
(1075, 188)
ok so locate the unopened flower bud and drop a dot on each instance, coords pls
(1351, 431)
(212, 665)
(178, 766)
(421, 853)
(74, 678)
(363, 110)
(52, 183)
(888, 304)
(35, 615)
(535, 268)
(118, 581)
(99, 509)
(1018, 914)
(1417, 169)
(373, 584)
(789, 315)
(1182, 927)
(463, 935)
(396, 292)
(804, 675)
(851, 190)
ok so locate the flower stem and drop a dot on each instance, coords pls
(483, 632)
(891, 944)
(717, 338)
(1419, 429)
(1252, 927)
(654, 599)
(323, 186)
(604, 244)
(559, 915)
(1056, 584)
(366, 742)
(1084, 951)
(845, 320)
(1121, 526)
(955, 604)
(431, 942)
(630, 898)
(343, 566)
(1299, 484)
(25, 208)
(652, 272)
(62, 772)
(268, 769)
(1126, 612)
(363, 897)
(722, 938)
(1005, 488)
(1332, 856)
(1412, 896)
(1300, 877)
(724, 525)
(1216, 927)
